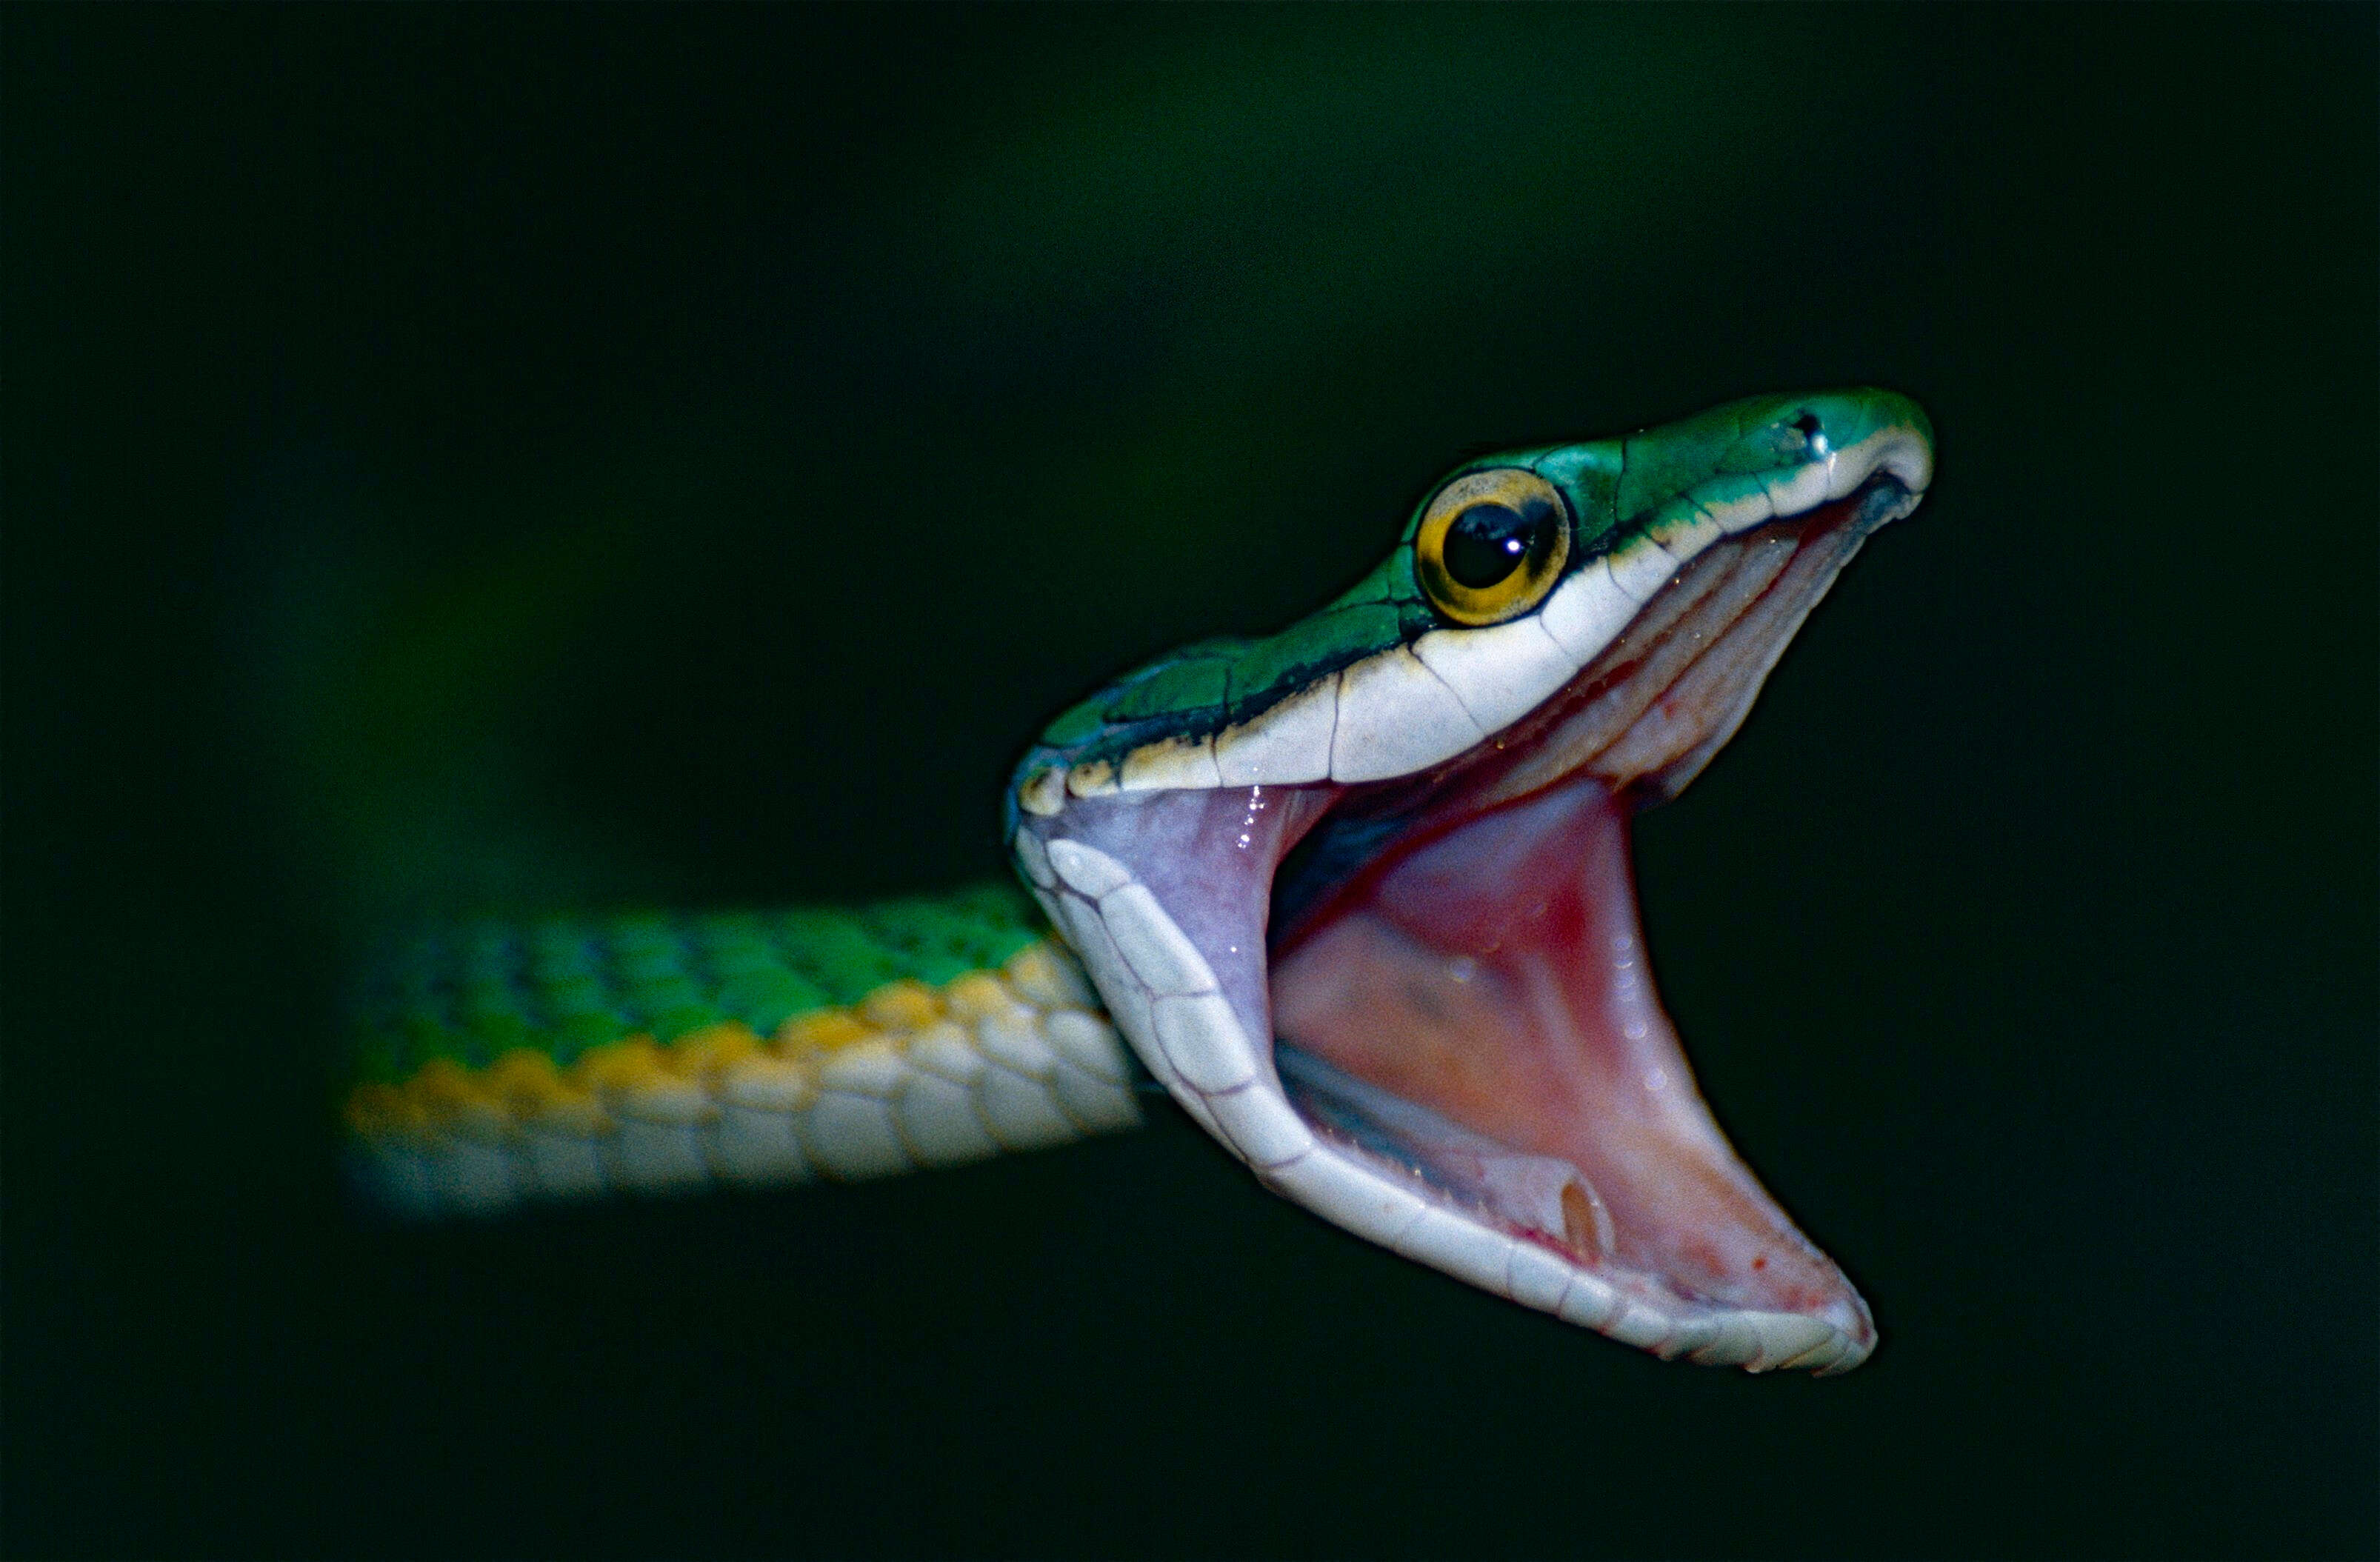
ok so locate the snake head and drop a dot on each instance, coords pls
(1359, 895)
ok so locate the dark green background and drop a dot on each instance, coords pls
(518, 454)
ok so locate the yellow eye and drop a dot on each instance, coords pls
(1491, 545)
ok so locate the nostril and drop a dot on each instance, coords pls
(1807, 425)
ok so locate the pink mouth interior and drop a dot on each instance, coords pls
(1476, 1003)
(1452, 967)
(1494, 981)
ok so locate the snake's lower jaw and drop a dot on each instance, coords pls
(1520, 1116)
(1473, 1069)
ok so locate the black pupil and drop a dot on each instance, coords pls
(1488, 542)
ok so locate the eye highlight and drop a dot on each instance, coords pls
(1492, 544)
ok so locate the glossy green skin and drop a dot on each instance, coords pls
(470, 992)
(1617, 491)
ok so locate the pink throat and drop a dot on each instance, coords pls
(1483, 1002)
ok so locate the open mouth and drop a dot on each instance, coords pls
(1422, 1007)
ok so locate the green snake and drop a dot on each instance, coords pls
(1356, 896)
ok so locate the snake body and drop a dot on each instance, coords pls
(1356, 895)
(500, 1062)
